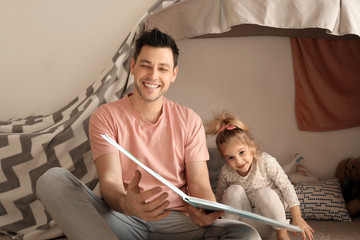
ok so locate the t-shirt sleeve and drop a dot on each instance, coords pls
(195, 147)
(101, 123)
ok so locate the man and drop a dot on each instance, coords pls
(165, 136)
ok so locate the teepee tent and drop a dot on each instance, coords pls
(31, 145)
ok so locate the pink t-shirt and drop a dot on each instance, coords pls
(178, 137)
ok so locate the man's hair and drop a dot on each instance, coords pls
(156, 38)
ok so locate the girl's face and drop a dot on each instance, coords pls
(238, 155)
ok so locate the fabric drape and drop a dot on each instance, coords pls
(327, 83)
(31, 145)
(193, 18)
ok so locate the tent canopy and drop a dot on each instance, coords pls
(227, 18)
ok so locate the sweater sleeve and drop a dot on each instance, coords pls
(222, 185)
(281, 180)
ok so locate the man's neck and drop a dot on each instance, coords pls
(150, 111)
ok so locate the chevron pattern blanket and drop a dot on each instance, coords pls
(31, 145)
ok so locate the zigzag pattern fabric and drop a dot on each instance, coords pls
(29, 146)
(32, 145)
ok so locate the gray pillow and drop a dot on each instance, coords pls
(214, 164)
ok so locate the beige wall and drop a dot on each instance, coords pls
(52, 50)
(252, 77)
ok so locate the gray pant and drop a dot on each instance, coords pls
(83, 215)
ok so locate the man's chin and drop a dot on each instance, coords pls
(151, 98)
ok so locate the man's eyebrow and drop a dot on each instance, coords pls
(165, 65)
(161, 64)
(145, 61)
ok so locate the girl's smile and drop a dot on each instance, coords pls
(238, 156)
(242, 166)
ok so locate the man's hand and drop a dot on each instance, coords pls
(200, 217)
(134, 202)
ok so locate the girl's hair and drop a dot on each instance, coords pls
(227, 126)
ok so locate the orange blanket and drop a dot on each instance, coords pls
(327, 83)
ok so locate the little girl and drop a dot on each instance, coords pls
(253, 180)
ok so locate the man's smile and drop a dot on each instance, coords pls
(149, 85)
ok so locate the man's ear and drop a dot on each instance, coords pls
(132, 65)
(175, 73)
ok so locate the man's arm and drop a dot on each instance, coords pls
(131, 202)
(197, 176)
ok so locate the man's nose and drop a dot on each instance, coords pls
(153, 74)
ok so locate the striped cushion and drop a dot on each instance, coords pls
(322, 200)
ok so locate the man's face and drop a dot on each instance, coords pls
(153, 72)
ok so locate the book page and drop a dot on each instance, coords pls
(202, 203)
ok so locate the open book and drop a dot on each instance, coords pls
(202, 203)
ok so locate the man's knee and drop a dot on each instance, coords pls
(50, 181)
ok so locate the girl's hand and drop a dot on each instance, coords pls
(308, 231)
(201, 217)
